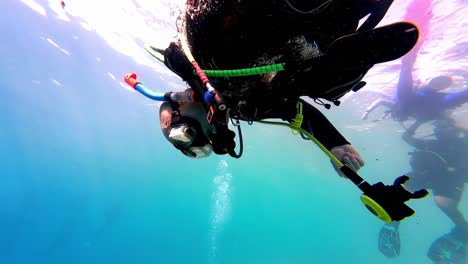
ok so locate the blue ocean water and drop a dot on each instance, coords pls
(87, 176)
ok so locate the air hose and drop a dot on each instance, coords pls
(159, 55)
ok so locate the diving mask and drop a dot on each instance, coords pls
(186, 138)
(183, 134)
(198, 152)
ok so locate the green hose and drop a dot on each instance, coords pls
(157, 54)
(246, 72)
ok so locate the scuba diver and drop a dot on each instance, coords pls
(423, 103)
(242, 34)
(258, 60)
(438, 164)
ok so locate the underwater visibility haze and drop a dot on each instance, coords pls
(87, 176)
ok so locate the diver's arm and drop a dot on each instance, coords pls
(408, 136)
(420, 12)
(321, 128)
(405, 81)
(376, 104)
(456, 99)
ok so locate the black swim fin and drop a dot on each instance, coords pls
(378, 45)
(389, 241)
(448, 249)
(346, 61)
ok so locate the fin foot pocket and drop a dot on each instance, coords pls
(448, 250)
(378, 45)
(389, 241)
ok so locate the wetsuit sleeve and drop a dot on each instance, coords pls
(456, 99)
(409, 138)
(420, 12)
(405, 81)
(320, 127)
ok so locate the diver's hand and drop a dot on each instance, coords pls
(365, 115)
(349, 156)
(165, 118)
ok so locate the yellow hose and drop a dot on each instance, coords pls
(309, 136)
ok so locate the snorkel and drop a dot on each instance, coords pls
(176, 97)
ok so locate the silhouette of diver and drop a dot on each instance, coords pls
(438, 164)
(426, 102)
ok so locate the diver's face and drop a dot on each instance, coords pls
(187, 128)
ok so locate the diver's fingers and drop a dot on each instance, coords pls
(353, 161)
(348, 161)
(354, 155)
(360, 161)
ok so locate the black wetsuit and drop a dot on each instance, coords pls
(277, 106)
(317, 124)
(439, 164)
(233, 34)
(240, 34)
(228, 34)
